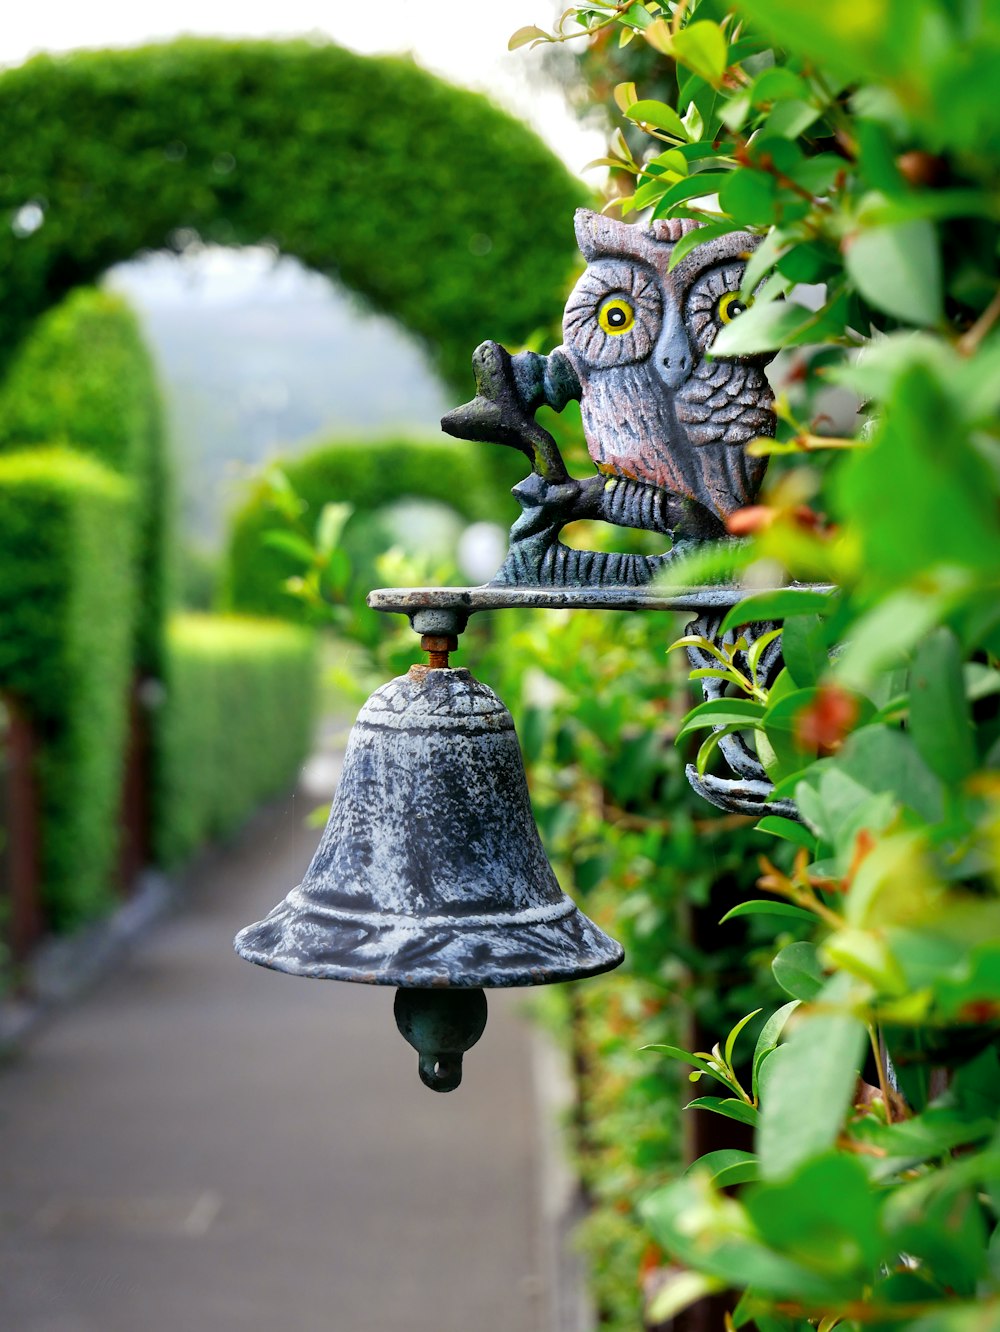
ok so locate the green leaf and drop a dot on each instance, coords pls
(760, 907)
(882, 637)
(768, 1039)
(940, 723)
(981, 681)
(672, 160)
(722, 712)
(797, 970)
(291, 544)
(686, 1057)
(703, 183)
(650, 192)
(884, 760)
(692, 239)
(734, 1035)
(898, 270)
(764, 328)
(739, 1172)
(837, 805)
(702, 48)
(788, 829)
(758, 647)
(778, 84)
(728, 1106)
(864, 954)
(724, 1160)
(762, 260)
(903, 538)
(781, 604)
(749, 197)
(825, 1215)
(704, 1229)
(678, 1292)
(660, 116)
(711, 743)
(938, 1131)
(858, 41)
(789, 119)
(693, 120)
(976, 981)
(804, 650)
(333, 519)
(945, 1233)
(529, 33)
(810, 1081)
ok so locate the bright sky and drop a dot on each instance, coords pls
(464, 41)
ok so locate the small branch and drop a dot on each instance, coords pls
(640, 823)
(810, 443)
(883, 1081)
(972, 337)
(597, 27)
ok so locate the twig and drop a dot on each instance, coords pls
(619, 11)
(972, 337)
(883, 1081)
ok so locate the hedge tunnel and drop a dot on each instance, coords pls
(424, 199)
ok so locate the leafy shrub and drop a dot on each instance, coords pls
(597, 708)
(234, 728)
(84, 378)
(433, 205)
(66, 610)
(861, 142)
(365, 476)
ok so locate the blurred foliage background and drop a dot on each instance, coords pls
(152, 729)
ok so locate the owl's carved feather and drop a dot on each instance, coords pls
(664, 414)
(665, 425)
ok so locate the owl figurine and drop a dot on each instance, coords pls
(665, 423)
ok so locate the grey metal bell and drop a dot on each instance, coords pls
(431, 874)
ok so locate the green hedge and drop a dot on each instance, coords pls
(431, 203)
(367, 476)
(234, 728)
(83, 377)
(66, 613)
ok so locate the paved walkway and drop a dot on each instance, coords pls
(203, 1146)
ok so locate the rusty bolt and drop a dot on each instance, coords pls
(438, 647)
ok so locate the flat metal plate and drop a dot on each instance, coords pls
(409, 600)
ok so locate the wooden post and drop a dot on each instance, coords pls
(20, 877)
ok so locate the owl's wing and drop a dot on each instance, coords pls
(510, 389)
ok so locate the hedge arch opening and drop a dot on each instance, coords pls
(424, 199)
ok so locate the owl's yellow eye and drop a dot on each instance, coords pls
(616, 316)
(731, 304)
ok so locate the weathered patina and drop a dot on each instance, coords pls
(431, 874)
(665, 423)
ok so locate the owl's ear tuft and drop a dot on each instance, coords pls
(672, 229)
(602, 237)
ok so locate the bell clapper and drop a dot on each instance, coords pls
(440, 1025)
(438, 648)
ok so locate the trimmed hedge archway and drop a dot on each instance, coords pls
(434, 206)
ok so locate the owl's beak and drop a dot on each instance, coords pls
(673, 355)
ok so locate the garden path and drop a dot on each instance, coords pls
(202, 1146)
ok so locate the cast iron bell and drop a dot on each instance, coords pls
(431, 875)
